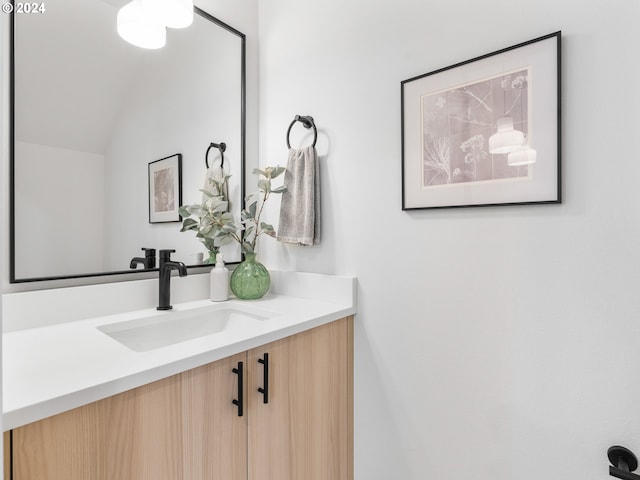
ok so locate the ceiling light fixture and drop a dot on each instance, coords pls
(138, 29)
(172, 13)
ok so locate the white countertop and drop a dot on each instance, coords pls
(50, 369)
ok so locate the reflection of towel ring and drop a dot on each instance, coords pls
(307, 121)
(220, 146)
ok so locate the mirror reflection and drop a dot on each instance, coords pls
(91, 113)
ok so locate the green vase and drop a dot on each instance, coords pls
(250, 280)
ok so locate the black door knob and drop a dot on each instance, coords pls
(623, 462)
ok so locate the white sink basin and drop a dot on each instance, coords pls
(167, 328)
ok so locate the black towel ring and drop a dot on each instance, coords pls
(220, 146)
(307, 121)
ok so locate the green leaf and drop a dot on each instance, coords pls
(264, 185)
(247, 248)
(223, 239)
(218, 205)
(279, 190)
(196, 210)
(207, 231)
(191, 227)
(189, 224)
(252, 197)
(257, 171)
(277, 171)
(209, 243)
(266, 227)
(226, 218)
(252, 209)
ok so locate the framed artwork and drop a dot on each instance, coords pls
(165, 189)
(485, 131)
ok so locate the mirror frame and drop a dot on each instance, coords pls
(11, 103)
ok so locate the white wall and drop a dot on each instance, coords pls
(45, 194)
(491, 343)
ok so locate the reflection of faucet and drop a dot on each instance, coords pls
(166, 265)
(149, 260)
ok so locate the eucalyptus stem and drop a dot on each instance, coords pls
(256, 220)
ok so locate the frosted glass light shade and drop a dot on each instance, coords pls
(524, 156)
(506, 139)
(172, 13)
(139, 30)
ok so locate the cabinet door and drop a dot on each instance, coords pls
(305, 429)
(182, 427)
(214, 436)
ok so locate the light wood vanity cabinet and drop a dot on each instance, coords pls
(181, 427)
(186, 427)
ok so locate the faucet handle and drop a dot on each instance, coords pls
(149, 258)
(166, 254)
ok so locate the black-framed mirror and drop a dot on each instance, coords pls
(89, 113)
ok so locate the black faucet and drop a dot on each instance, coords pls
(166, 265)
(148, 262)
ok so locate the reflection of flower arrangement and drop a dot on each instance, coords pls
(208, 217)
(213, 223)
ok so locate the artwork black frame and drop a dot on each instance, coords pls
(464, 100)
(164, 181)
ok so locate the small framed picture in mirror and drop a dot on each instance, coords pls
(165, 189)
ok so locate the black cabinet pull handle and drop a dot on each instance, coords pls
(623, 462)
(265, 378)
(240, 400)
